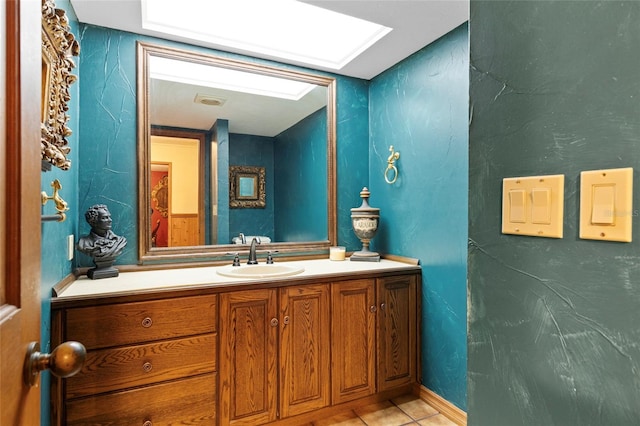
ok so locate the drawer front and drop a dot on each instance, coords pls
(128, 323)
(107, 370)
(186, 402)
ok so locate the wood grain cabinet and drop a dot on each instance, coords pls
(397, 331)
(274, 354)
(353, 321)
(148, 363)
(374, 336)
(285, 353)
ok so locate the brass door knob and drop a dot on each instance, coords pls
(64, 361)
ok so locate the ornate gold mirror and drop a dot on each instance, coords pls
(291, 180)
(246, 187)
(58, 46)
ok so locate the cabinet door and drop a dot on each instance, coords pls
(248, 354)
(353, 340)
(397, 331)
(304, 349)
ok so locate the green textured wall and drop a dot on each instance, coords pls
(554, 324)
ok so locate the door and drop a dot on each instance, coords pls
(353, 346)
(304, 349)
(397, 335)
(20, 88)
(248, 356)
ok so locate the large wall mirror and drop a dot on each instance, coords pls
(201, 118)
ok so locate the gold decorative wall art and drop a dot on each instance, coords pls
(58, 47)
(247, 187)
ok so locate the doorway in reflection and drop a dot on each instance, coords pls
(177, 218)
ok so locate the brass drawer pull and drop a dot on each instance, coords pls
(147, 322)
(146, 367)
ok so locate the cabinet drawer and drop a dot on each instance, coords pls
(190, 401)
(108, 370)
(127, 323)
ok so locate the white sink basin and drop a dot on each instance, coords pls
(260, 271)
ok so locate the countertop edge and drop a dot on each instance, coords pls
(391, 267)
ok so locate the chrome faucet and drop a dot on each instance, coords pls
(243, 240)
(252, 252)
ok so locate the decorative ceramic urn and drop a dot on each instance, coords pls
(364, 220)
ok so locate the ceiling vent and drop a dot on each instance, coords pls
(209, 100)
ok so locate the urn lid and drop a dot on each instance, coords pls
(365, 208)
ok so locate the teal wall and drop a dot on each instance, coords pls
(108, 119)
(258, 151)
(220, 135)
(301, 156)
(554, 324)
(420, 107)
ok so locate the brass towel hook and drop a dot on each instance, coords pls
(61, 205)
(391, 174)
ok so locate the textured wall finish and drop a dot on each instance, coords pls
(256, 151)
(300, 156)
(108, 123)
(554, 325)
(420, 106)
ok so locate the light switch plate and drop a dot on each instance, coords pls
(533, 206)
(70, 247)
(606, 204)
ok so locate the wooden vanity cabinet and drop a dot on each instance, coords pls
(274, 353)
(148, 363)
(258, 354)
(353, 343)
(397, 331)
(374, 336)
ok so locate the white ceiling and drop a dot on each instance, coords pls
(415, 24)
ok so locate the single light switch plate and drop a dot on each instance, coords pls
(606, 204)
(70, 247)
(533, 206)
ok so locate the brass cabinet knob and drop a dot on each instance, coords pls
(285, 320)
(146, 367)
(64, 361)
(147, 322)
(373, 308)
(274, 322)
(382, 306)
(147, 423)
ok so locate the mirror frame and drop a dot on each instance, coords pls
(58, 45)
(220, 253)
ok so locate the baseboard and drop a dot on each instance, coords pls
(446, 408)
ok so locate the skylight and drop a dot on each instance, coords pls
(228, 79)
(284, 29)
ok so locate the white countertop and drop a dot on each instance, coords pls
(192, 277)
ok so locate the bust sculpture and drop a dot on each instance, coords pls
(101, 243)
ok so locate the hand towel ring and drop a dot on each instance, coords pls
(391, 174)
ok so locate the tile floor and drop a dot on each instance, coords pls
(405, 410)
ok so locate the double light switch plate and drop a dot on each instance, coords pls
(533, 206)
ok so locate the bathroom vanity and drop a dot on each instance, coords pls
(192, 346)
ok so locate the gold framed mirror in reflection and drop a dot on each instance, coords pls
(290, 135)
(247, 187)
